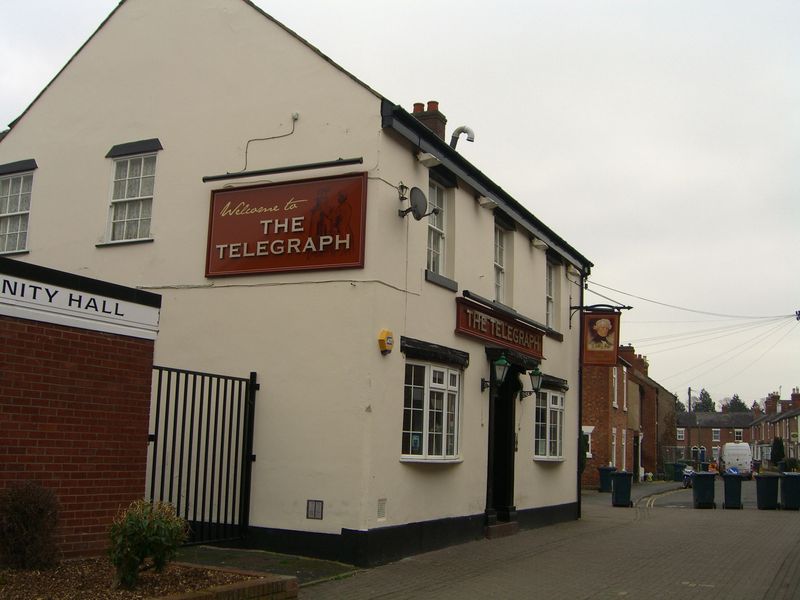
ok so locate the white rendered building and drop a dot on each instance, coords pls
(200, 150)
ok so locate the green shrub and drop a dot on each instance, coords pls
(28, 521)
(144, 531)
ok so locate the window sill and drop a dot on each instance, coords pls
(550, 459)
(431, 461)
(441, 281)
(14, 252)
(124, 242)
(553, 334)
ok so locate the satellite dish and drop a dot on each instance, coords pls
(419, 205)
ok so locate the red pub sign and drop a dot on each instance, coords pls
(299, 225)
(492, 326)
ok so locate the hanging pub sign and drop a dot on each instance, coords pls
(600, 330)
(300, 225)
(484, 323)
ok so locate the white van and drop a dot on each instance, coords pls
(736, 454)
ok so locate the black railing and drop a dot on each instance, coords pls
(201, 449)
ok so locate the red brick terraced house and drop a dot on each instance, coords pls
(627, 418)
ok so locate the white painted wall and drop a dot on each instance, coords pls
(204, 76)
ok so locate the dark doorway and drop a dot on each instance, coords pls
(502, 448)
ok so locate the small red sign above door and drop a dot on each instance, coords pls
(492, 326)
(300, 225)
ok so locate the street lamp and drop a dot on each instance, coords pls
(536, 383)
(500, 369)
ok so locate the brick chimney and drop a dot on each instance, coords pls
(637, 361)
(431, 117)
(756, 408)
(771, 403)
(795, 397)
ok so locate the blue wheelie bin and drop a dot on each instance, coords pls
(767, 491)
(605, 478)
(703, 489)
(621, 488)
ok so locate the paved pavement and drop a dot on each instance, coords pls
(660, 549)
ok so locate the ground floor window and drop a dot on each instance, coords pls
(548, 425)
(431, 407)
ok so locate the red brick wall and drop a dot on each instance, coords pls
(74, 413)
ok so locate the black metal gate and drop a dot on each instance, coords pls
(201, 450)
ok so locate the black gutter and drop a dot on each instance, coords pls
(394, 117)
(291, 168)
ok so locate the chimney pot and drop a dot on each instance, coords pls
(419, 107)
(433, 105)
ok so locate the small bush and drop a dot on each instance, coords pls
(144, 531)
(28, 521)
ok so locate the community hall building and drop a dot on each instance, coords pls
(390, 300)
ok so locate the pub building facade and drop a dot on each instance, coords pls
(393, 300)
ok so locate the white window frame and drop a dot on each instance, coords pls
(550, 300)
(436, 254)
(715, 434)
(625, 389)
(548, 426)
(680, 434)
(614, 387)
(613, 461)
(16, 191)
(738, 435)
(624, 448)
(440, 395)
(127, 194)
(499, 263)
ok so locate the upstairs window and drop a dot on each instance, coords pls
(680, 434)
(550, 302)
(614, 387)
(738, 435)
(16, 184)
(715, 435)
(499, 263)
(436, 229)
(132, 190)
(624, 388)
(15, 206)
(132, 198)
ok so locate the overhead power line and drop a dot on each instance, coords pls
(692, 310)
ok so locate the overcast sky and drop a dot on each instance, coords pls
(661, 139)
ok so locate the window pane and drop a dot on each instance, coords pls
(133, 188)
(131, 230)
(121, 170)
(149, 167)
(5, 186)
(147, 186)
(144, 228)
(119, 190)
(135, 169)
